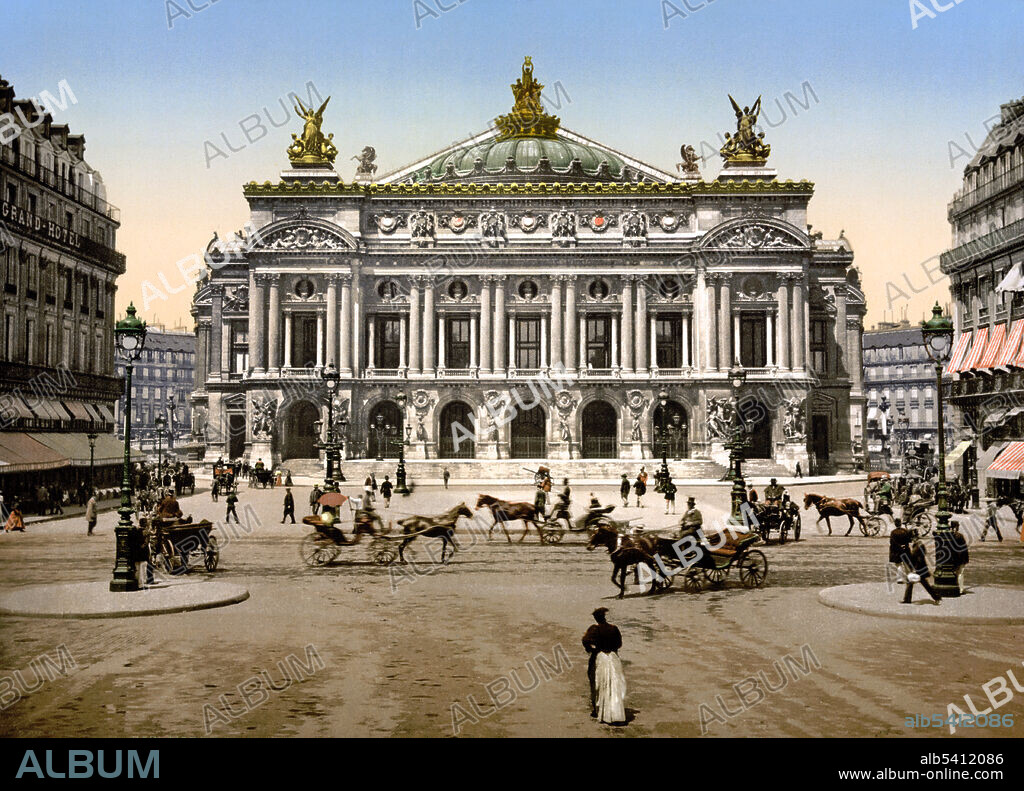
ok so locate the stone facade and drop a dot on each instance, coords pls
(531, 308)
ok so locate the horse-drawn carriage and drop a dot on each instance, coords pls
(780, 518)
(712, 567)
(177, 545)
(261, 477)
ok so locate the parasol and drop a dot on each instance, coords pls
(333, 499)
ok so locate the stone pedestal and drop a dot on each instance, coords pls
(261, 449)
(488, 450)
(631, 450)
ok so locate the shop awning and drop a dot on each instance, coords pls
(996, 417)
(75, 447)
(1014, 280)
(93, 413)
(23, 453)
(995, 346)
(110, 450)
(957, 452)
(974, 357)
(16, 408)
(1012, 343)
(78, 409)
(955, 363)
(105, 412)
(1009, 463)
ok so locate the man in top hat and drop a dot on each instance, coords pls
(602, 638)
(773, 493)
(693, 519)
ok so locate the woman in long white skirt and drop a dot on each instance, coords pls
(611, 688)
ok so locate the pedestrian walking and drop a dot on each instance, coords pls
(670, 496)
(960, 554)
(232, 498)
(288, 479)
(385, 491)
(368, 490)
(540, 501)
(314, 499)
(373, 484)
(90, 514)
(58, 501)
(991, 519)
(915, 563)
(289, 505)
(799, 471)
(604, 670)
(624, 488)
(899, 538)
(215, 489)
(640, 487)
(446, 476)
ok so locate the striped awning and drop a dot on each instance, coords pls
(995, 346)
(956, 359)
(1009, 463)
(1012, 343)
(974, 357)
(957, 452)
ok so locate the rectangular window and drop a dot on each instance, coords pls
(669, 341)
(753, 340)
(819, 347)
(528, 343)
(599, 341)
(457, 338)
(388, 341)
(30, 341)
(239, 347)
(9, 337)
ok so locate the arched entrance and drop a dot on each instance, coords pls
(300, 437)
(600, 431)
(528, 434)
(677, 425)
(382, 443)
(456, 432)
(757, 422)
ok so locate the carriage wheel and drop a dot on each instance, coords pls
(383, 553)
(754, 569)
(212, 554)
(871, 526)
(552, 534)
(693, 581)
(316, 552)
(796, 530)
(716, 576)
(783, 529)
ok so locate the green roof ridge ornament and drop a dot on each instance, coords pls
(528, 117)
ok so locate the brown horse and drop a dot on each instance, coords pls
(441, 526)
(503, 511)
(831, 506)
(626, 551)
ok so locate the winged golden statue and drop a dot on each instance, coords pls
(747, 145)
(312, 148)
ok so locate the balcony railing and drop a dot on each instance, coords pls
(983, 245)
(458, 373)
(967, 200)
(76, 192)
(385, 373)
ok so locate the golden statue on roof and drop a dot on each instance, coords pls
(312, 148)
(528, 117)
(747, 146)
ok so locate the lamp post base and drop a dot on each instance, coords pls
(124, 580)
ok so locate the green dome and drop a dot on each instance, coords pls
(489, 162)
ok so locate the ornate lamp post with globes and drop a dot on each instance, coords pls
(330, 376)
(91, 436)
(130, 337)
(160, 421)
(400, 487)
(663, 430)
(736, 445)
(938, 342)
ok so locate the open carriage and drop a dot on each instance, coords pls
(177, 546)
(712, 567)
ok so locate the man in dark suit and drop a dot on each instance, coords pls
(602, 636)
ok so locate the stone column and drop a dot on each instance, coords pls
(698, 357)
(570, 323)
(225, 350)
(736, 337)
(500, 338)
(429, 324)
(782, 334)
(511, 342)
(345, 366)
(709, 327)
(440, 341)
(556, 321)
(798, 333)
(725, 357)
(627, 322)
(216, 322)
(544, 341)
(371, 346)
(274, 324)
(616, 333)
(654, 340)
(415, 334)
(687, 355)
(486, 336)
(289, 325)
(403, 344)
(320, 340)
(640, 330)
(202, 355)
(474, 335)
(842, 352)
(332, 319)
(356, 324)
(582, 341)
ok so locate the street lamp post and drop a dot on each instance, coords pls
(380, 430)
(91, 436)
(663, 429)
(400, 487)
(130, 337)
(160, 421)
(330, 376)
(342, 433)
(737, 376)
(938, 342)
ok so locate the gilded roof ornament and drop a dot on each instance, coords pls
(528, 117)
(312, 149)
(746, 147)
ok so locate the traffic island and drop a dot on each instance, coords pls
(981, 605)
(95, 600)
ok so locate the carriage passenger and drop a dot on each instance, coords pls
(773, 493)
(692, 521)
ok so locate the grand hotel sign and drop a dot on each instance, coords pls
(54, 233)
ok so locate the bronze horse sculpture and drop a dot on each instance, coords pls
(626, 551)
(831, 506)
(441, 526)
(503, 511)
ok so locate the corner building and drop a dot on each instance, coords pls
(531, 272)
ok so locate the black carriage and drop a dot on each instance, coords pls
(780, 519)
(177, 546)
(262, 478)
(712, 567)
(328, 541)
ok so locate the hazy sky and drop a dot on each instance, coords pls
(888, 105)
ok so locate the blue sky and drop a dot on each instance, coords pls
(884, 99)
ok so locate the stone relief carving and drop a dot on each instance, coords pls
(758, 236)
(389, 223)
(422, 224)
(421, 402)
(670, 222)
(528, 222)
(264, 412)
(304, 238)
(563, 226)
(457, 222)
(237, 298)
(599, 221)
(719, 422)
(793, 423)
(634, 227)
(492, 225)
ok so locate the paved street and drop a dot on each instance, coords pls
(394, 649)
